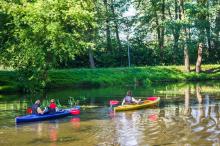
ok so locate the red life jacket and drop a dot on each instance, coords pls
(52, 105)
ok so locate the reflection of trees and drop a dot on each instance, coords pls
(187, 97)
(200, 106)
(53, 133)
(200, 119)
(216, 110)
(17, 105)
(198, 93)
(186, 103)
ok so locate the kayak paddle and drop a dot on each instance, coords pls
(113, 102)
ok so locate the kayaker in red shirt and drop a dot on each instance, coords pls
(52, 107)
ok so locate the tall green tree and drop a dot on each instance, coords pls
(44, 34)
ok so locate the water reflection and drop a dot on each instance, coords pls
(189, 118)
(193, 122)
(53, 132)
(75, 122)
(50, 133)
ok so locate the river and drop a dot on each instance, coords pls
(188, 114)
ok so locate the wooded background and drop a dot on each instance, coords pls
(38, 35)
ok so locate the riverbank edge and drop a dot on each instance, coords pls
(76, 78)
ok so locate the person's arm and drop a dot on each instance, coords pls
(39, 111)
(123, 102)
(134, 100)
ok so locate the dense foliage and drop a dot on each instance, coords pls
(159, 32)
(38, 35)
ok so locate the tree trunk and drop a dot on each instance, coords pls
(176, 10)
(176, 33)
(208, 35)
(186, 58)
(162, 27)
(208, 31)
(117, 31)
(159, 36)
(216, 32)
(108, 32)
(186, 52)
(91, 59)
(199, 58)
(158, 29)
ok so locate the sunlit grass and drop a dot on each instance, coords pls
(135, 75)
(113, 76)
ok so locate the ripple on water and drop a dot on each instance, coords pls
(168, 125)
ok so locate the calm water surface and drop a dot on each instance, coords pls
(188, 114)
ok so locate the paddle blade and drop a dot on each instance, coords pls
(113, 102)
(152, 98)
(29, 110)
(75, 112)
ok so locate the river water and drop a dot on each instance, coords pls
(188, 114)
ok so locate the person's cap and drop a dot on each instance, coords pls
(37, 101)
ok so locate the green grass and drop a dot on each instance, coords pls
(114, 76)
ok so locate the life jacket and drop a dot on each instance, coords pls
(52, 108)
(34, 108)
(128, 99)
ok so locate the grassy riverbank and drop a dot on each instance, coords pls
(113, 76)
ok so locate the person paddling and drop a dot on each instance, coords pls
(52, 107)
(36, 108)
(128, 99)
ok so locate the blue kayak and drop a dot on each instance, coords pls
(33, 118)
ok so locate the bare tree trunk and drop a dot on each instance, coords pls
(116, 31)
(199, 58)
(108, 32)
(186, 58)
(159, 36)
(176, 32)
(216, 31)
(186, 52)
(208, 35)
(158, 29)
(208, 31)
(91, 59)
(162, 27)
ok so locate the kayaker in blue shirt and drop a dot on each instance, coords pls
(36, 108)
(128, 99)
